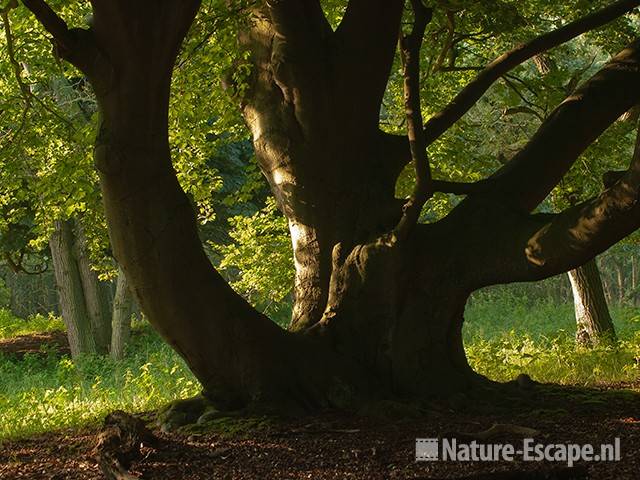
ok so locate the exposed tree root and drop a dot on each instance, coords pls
(119, 444)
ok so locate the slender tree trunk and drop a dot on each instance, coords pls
(122, 311)
(96, 296)
(593, 319)
(619, 281)
(634, 279)
(70, 290)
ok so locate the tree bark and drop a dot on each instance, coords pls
(634, 279)
(593, 320)
(96, 295)
(70, 291)
(121, 319)
(619, 281)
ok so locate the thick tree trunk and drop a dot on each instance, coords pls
(238, 354)
(318, 144)
(375, 313)
(70, 290)
(593, 320)
(96, 295)
(121, 319)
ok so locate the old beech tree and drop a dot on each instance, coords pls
(379, 297)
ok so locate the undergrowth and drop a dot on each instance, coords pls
(504, 336)
(47, 392)
(507, 335)
(11, 326)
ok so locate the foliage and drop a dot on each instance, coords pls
(505, 334)
(259, 260)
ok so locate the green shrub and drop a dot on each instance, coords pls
(505, 335)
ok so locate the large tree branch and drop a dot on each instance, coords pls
(77, 46)
(467, 98)
(365, 46)
(547, 245)
(50, 20)
(577, 122)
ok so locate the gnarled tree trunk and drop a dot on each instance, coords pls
(376, 313)
(593, 320)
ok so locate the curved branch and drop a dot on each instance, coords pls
(553, 244)
(50, 20)
(77, 46)
(410, 50)
(467, 98)
(576, 123)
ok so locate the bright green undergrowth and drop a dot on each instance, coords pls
(46, 392)
(10, 326)
(504, 336)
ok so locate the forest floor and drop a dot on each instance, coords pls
(35, 343)
(379, 445)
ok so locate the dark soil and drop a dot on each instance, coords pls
(35, 343)
(379, 445)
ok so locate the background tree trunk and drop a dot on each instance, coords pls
(121, 320)
(96, 295)
(593, 320)
(70, 290)
(619, 280)
(634, 280)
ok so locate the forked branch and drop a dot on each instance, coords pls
(410, 46)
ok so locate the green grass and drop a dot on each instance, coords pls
(45, 392)
(504, 336)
